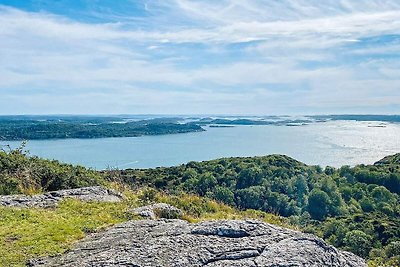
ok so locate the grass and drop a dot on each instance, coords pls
(198, 209)
(32, 233)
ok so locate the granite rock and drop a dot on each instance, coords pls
(177, 243)
(158, 210)
(50, 199)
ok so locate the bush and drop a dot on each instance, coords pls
(20, 173)
(358, 242)
(251, 198)
(224, 195)
(367, 204)
(393, 249)
(148, 195)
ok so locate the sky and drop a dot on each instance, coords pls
(238, 57)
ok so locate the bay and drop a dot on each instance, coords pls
(333, 143)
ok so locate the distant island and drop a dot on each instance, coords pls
(297, 121)
(358, 117)
(53, 127)
(221, 126)
(35, 127)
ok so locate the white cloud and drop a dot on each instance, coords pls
(349, 26)
(190, 65)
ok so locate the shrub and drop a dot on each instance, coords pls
(358, 242)
(393, 249)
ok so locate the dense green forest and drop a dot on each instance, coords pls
(21, 128)
(354, 208)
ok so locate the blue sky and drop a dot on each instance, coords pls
(199, 57)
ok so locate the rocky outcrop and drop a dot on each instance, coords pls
(177, 243)
(50, 199)
(158, 210)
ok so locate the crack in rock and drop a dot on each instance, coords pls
(234, 255)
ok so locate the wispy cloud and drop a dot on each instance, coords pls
(203, 57)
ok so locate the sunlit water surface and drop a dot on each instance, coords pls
(334, 143)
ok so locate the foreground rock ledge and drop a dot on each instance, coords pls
(177, 243)
(51, 199)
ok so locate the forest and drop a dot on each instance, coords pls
(25, 128)
(353, 208)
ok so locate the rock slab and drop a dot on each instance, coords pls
(50, 199)
(177, 243)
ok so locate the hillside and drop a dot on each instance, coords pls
(389, 161)
(353, 208)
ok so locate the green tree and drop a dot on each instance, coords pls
(225, 195)
(393, 249)
(278, 203)
(301, 190)
(358, 242)
(189, 173)
(381, 194)
(249, 177)
(393, 183)
(251, 198)
(334, 232)
(346, 193)
(206, 182)
(329, 170)
(367, 204)
(318, 203)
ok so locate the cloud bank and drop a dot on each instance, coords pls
(191, 57)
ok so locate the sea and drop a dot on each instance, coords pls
(329, 143)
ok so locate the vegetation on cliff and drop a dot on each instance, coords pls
(20, 173)
(353, 208)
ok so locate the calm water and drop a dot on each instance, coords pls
(330, 143)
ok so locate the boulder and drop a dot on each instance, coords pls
(158, 210)
(177, 243)
(50, 199)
